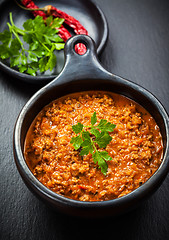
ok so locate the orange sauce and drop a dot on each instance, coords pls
(136, 147)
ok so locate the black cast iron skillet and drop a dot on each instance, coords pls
(83, 73)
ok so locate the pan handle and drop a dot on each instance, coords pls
(77, 66)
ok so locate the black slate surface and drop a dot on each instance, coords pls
(137, 49)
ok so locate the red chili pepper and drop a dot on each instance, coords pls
(69, 20)
(80, 48)
(64, 33)
(30, 4)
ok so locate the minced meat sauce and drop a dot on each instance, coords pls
(136, 147)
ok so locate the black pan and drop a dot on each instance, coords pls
(83, 73)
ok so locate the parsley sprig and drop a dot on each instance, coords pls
(95, 135)
(32, 49)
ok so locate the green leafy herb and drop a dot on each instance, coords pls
(95, 135)
(32, 49)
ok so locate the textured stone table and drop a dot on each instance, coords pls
(137, 49)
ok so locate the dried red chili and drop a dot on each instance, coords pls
(64, 33)
(69, 20)
(31, 5)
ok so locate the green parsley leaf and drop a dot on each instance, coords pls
(103, 140)
(32, 57)
(95, 132)
(93, 118)
(76, 141)
(42, 64)
(95, 135)
(22, 68)
(33, 45)
(39, 51)
(59, 46)
(28, 25)
(23, 59)
(86, 135)
(57, 22)
(97, 158)
(28, 39)
(49, 21)
(5, 37)
(77, 128)
(51, 62)
(106, 126)
(86, 148)
(105, 156)
(15, 46)
(15, 61)
(31, 71)
(4, 52)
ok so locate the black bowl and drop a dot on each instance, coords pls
(83, 73)
(87, 12)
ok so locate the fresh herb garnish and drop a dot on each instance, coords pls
(87, 140)
(41, 41)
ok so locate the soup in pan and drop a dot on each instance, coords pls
(131, 155)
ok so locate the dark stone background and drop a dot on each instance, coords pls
(137, 49)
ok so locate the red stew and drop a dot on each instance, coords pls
(136, 147)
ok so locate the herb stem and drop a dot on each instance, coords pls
(94, 145)
(16, 35)
(18, 30)
(44, 46)
(11, 19)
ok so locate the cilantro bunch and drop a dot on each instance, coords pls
(95, 135)
(32, 49)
